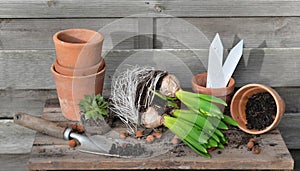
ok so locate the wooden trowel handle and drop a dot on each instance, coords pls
(39, 124)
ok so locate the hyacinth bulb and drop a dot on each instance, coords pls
(169, 86)
(151, 118)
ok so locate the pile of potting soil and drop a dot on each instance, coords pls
(260, 111)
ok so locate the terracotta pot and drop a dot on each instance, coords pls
(240, 99)
(78, 48)
(78, 72)
(199, 86)
(71, 89)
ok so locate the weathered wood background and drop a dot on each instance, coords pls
(269, 28)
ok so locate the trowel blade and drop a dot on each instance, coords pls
(130, 147)
(87, 145)
(95, 151)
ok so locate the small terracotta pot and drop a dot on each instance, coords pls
(240, 99)
(71, 89)
(199, 86)
(80, 71)
(78, 48)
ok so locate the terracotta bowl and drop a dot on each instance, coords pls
(240, 99)
(78, 72)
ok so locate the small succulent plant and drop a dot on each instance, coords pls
(93, 107)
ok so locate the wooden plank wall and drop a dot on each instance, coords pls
(269, 28)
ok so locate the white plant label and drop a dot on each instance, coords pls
(215, 76)
(218, 75)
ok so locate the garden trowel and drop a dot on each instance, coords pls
(108, 144)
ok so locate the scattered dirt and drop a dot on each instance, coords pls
(128, 150)
(236, 138)
(179, 150)
(95, 127)
(260, 111)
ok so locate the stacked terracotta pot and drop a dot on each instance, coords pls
(78, 69)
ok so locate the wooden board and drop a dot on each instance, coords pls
(296, 157)
(15, 162)
(125, 33)
(18, 162)
(123, 8)
(30, 69)
(257, 32)
(49, 153)
(289, 128)
(136, 33)
(15, 139)
(27, 101)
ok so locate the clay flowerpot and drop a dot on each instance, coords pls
(71, 89)
(80, 71)
(199, 86)
(78, 48)
(239, 102)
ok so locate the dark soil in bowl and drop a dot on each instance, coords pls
(260, 111)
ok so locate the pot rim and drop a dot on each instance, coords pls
(212, 91)
(57, 40)
(230, 84)
(278, 101)
(77, 77)
(101, 62)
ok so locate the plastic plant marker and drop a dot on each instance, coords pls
(218, 75)
(232, 60)
(215, 77)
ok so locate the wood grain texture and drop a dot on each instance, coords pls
(62, 157)
(170, 33)
(15, 139)
(27, 70)
(289, 128)
(296, 157)
(18, 162)
(30, 69)
(125, 33)
(197, 33)
(117, 8)
(28, 101)
(49, 153)
(291, 97)
(15, 162)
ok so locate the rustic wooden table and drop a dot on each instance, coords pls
(50, 153)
